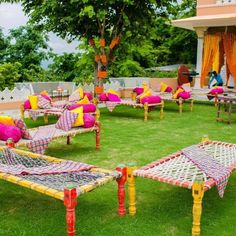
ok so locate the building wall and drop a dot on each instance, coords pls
(213, 7)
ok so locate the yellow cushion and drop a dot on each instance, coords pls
(6, 120)
(145, 87)
(80, 119)
(163, 87)
(180, 90)
(33, 101)
(85, 100)
(44, 92)
(112, 91)
(145, 94)
(80, 91)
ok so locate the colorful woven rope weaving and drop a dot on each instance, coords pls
(209, 166)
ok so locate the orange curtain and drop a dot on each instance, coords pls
(211, 46)
(227, 74)
(229, 41)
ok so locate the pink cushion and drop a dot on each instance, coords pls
(168, 89)
(89, 120)
(184, 95)
(86, 107)
(27, 105)
(47, 97)
(113, 97)
(66, 120)
(9, 131)
(89, 95)
(23, 128)
(103, 97)
(138, 90)
(151, 99)
(216, 91)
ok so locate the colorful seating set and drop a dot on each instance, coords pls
(66, 180)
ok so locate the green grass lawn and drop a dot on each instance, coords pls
(162, 209)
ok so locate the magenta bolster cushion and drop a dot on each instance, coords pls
(151, 99)
(103, 97)
(89, 120)
(89, 95)
(184, 95)
(27, 105)
(86, 107)
(10, 131)
(168, 89)
(138, 90)
(113, 97)
(216, 90)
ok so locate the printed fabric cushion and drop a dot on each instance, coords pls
(75, 96)
(23, 128)
(9, 131)
(46, 97)
(66, 120)
(43, 103)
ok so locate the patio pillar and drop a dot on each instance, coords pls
(200, 40)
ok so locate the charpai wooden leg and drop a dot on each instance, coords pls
(180, 105)
(197, 193)
(191, 105)
(131, 190)
(45, 118)
(22, 111)
(145, 107)
(68, 140)
(98, 132)
(121, 190)
(97, 114)
(162, 110)
(70, 201)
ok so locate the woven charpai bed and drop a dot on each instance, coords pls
(60, 179)
(147, 107)
(43, 135)
(198, 167)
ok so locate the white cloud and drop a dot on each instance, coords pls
(12, 16)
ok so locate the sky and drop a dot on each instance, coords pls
(12, 16)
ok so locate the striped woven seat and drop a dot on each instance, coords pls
(60, 179)
(210, 165)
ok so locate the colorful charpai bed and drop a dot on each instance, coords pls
(146, 106)
(179, 101)
(61, 179)
(56, 110)
(198, 167)
(43, 135)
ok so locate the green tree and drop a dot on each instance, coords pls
(97, 21)
(3, 45)
(9, 74)
(29, 47)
